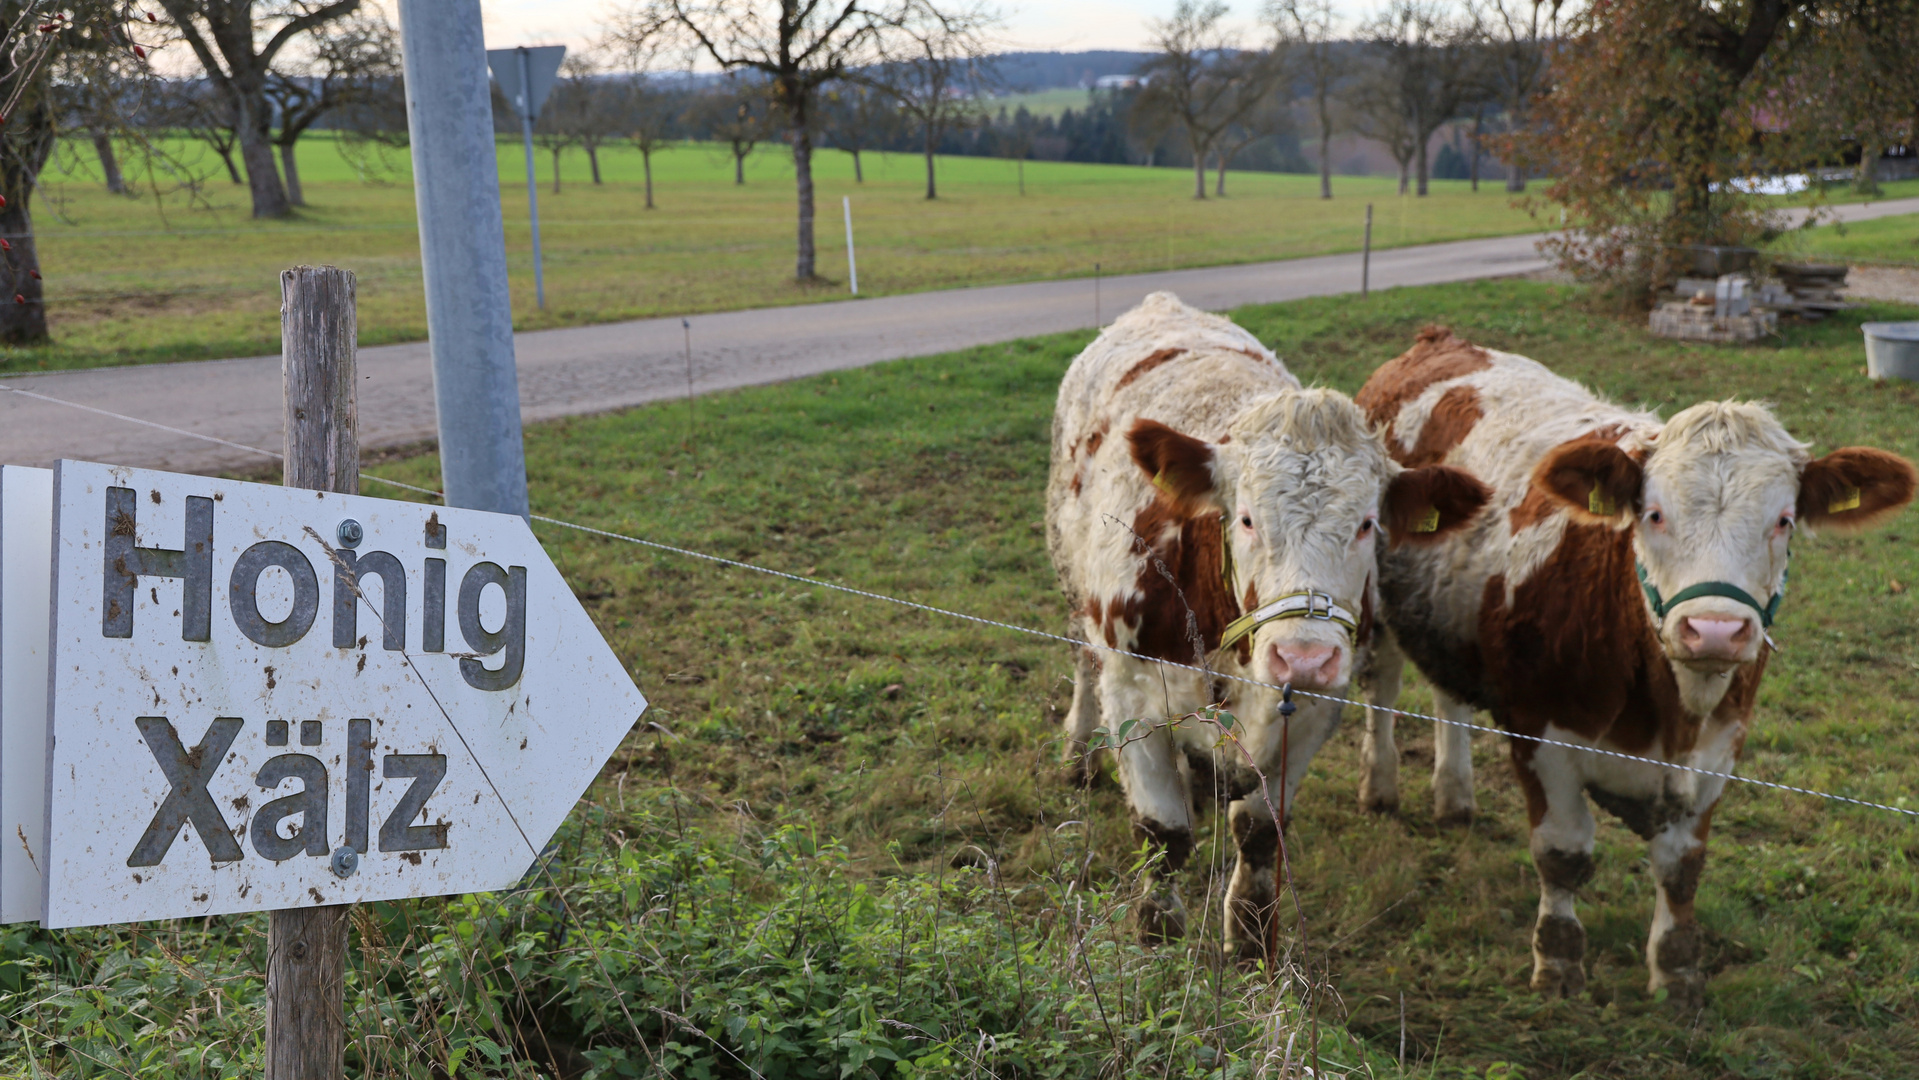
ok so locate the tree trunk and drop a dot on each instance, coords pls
(593, 160)
(1219, 161)
(1866, 182)
(858, 176)
(1405, 174)
(1479, 120)
(1420, 156)
(23, 311)
(556, 169)
(1199, 170)
(803, 181)
(226, 155)
(256, 152)
(109, 164)
(739, 165)
(646, 163)
(932, 189)
(295, 195)
(1325, 150)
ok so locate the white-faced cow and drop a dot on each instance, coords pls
(1204, 509)
(1616, 594)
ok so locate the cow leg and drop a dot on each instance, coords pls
(1082, 716)
(1453, 801)
(1562, 846)
(1155, 790)
(1249, 896)
(1674, 947)
(1379, 778)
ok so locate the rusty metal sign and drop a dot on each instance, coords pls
(26, 559)
(265, 697)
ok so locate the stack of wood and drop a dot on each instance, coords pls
(1813, 287)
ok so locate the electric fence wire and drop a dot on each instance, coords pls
(1027, 630)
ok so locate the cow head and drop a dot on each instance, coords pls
(1713, 503)
(1305, 490)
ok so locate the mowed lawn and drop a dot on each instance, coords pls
(922, 744)
(191, 276)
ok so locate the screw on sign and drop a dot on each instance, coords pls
(248, 715)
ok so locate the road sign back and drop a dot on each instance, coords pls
(269, 698)
(540, 67)
(26, 537)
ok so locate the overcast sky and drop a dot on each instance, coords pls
(1066, 25)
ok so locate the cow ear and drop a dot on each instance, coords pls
(1425, 504)
(1180, 466)
(1854, 487)
(1597, 480)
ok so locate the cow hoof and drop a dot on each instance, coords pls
(1162, 918)
(1685, 990)
(1451, 817)
(1559, 978)
(1383, 801)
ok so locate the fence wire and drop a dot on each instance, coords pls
(1027, 630)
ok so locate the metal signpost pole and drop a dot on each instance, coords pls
(1366, 255)
(532, 196)
(469, 314)
(306, 946)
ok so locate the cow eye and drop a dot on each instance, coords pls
(1655, 518)
(1785, 521)
(1365, 527)
(1246, 520)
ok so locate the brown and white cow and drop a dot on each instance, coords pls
(1616, 594)
(1194, 482)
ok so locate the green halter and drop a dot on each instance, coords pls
(1712, 588)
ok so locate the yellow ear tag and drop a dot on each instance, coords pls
(1599, 504)
(1847, 501)
(1159, 481)
(1429, 522)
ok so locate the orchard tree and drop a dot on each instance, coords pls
(797, 47)
(353, 60)
(1202, 80)
(236, 43)
(934, 73)
(1307, 31)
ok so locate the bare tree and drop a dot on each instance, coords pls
(858, 117)
(649, 116)
(1376, 109)
(587, 107)
(797, 46)
(935, 75)
(1517, 37)
(1306, 29)
(353, 59)
(1270, 117)
(734, 113)
(236, 42)
(1428, 63)
(205, 115)
(1202, 79)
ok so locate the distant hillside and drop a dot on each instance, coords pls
(1026, 71)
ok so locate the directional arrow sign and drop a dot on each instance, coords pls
(266, 698)
(26, 538)
(517, 69)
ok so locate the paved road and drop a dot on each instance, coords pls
(592, 369)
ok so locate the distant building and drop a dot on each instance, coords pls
(1116, 82)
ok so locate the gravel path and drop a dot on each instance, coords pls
(589, 369)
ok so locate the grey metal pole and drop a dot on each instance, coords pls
(469, 314)
(1366, 256)
(532, 194)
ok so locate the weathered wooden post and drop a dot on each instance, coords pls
(306, 947)
(1366, 256)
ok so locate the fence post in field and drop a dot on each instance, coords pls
(306, 947)
(852, 268)
(1366, 255)
(469, 311)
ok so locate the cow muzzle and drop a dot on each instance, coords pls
(1308, 665)
(1713, 640)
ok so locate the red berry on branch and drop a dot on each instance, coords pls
(151, 17)
(4, 245)
(18, 299)
(35, 273)
(139, 52)
(3, 202)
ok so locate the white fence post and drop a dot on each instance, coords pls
(852, 268)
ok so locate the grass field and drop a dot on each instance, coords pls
(1051, 102)
(1892, 241)
(132, 282)
(790, 863)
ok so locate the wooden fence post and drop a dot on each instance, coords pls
(306, 947)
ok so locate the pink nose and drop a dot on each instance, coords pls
(1716, 639)
(1307, 667)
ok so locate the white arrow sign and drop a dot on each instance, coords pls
(265, 698)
